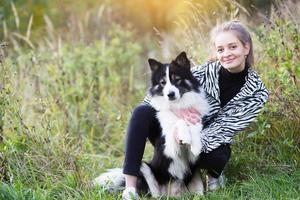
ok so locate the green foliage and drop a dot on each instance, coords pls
(62, 110)
(280, 60)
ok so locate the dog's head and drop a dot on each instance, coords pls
(172, 80)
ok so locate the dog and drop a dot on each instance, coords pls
(173, 168)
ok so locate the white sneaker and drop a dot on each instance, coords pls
(215, 183)
(212, 183)
(130, 194)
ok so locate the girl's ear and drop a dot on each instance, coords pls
(247, 49)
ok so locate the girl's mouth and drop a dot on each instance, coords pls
(229, 60)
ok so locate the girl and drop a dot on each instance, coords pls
(236, 95)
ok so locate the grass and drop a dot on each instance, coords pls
(65, 105)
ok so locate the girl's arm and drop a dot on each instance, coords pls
(229, 122)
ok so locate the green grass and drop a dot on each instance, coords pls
(275, 184)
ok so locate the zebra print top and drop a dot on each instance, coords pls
(221, 124)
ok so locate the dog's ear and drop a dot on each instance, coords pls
(154, 65)
(182, 60)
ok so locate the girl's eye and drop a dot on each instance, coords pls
(232, 47)
(219, 50)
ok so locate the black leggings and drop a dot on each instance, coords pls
(144, 124)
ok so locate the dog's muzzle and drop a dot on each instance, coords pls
(171, 96)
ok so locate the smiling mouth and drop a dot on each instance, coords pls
(229, 61)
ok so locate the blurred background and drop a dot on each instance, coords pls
(144, 15)
(72, 71)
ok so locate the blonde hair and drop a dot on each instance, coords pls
(240, 32)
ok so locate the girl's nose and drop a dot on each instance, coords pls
(226, 53)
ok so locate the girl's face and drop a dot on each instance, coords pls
(231, 52)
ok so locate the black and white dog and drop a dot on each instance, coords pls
(173, 169)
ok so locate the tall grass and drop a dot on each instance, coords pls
(64, 113)
(65, 102)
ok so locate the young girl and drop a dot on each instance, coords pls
(236, 95)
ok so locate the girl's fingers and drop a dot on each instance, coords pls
(194, 111)
(193, 119)
(190, 115)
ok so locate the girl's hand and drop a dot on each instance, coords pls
(189, 115)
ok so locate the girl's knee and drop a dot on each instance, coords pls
(143, 111)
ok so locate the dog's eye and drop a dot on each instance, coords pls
(178, 80)
(162, 82)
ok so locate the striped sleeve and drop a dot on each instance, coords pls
(228, 123)
(198, 72)
(147, 99)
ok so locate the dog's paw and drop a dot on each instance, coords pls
(184, 138)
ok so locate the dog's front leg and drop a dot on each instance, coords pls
(196, 184)
(196, 144)
(171, 147)
(167, 123)
(177, 188)
(150, 180)
(183, 132)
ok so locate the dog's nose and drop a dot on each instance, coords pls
(171, 95)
